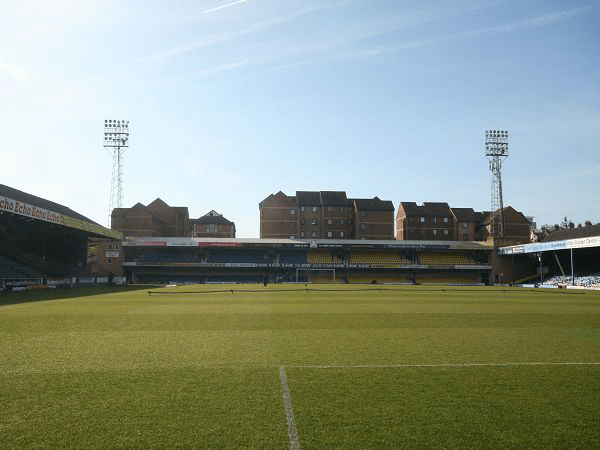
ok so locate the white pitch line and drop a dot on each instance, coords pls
(392, 366)
(287, 401)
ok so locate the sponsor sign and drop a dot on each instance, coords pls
(20, 282)
(24, 209)
(112, 254)
(59, 282)
(86, 280)
(219, 244)
(593, 241)
(35, 212)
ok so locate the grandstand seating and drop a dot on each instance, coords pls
(10, 268)
(239, 257)
(323, 257)
(379, 258)
(444, 259)
(292, 257)
(166, 258)
(589, 281)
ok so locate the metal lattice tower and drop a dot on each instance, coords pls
(116, 141)
(496, 149)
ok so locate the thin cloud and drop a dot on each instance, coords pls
(224, 6)
(535, 22)
(224, 68)
(228, 36)
(15, 72)
(323, 53)
(508, 28)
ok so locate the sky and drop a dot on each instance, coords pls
(231, 101)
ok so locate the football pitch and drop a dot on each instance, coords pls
(300, 367)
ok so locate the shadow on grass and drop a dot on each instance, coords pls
(42, 295)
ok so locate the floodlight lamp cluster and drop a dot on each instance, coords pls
(496, 143)
(496, 134)
(116, 133)
(112, 123)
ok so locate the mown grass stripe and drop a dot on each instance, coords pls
(289, 413)
(392, 366)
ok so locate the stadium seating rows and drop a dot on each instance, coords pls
(441, 258)
(379, 258)
(292, 258)
(10, 268)
(323, 257)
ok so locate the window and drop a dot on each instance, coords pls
(465, 224)
(292, 236)
(211, 228)
(110, 246)
(422, 219)
(434, 232)
(446, 232)
(315, 222)
(330, 208)
(341, 221)
(302, 221)
(329, 222)
(314, 234)
(109, 260)
(465, 237)
(445, 220)
(329, 234)
(302, 234)
(293, 225)
(315, 209)
(292, 211)
(341, 234)
(363, 226)
(117, 247)
(302, 208)
(434, 219)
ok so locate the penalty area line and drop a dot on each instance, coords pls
(289, 413)
(407, 366)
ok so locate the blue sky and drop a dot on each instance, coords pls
(230, 101)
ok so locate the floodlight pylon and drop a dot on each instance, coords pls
(496, 150)
(116, 142)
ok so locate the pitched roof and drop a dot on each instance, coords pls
(507, 210)
(573, 233)
(334, 198)
(464, 214)
(427, 209)
(15, 194)
(291, 201)
(212, 217)
(373, 204)
(308, 198)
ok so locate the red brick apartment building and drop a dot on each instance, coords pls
(325, 215)
(212, 224)
(438, 221)
(156, 219)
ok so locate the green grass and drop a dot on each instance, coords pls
(413, 367)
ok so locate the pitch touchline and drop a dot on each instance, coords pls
(287, 401)
(391, 366)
